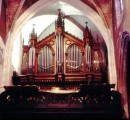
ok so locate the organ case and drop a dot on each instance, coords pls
(62, 57)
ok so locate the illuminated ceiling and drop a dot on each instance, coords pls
(74, 22)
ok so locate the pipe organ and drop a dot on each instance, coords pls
(62, 56)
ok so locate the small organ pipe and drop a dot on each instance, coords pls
(73, 58)
(57, 54)
(76, 58)
(90, 57)
(47, 59)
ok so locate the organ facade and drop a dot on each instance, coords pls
(62, 57)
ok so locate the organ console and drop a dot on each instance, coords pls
(62, 56)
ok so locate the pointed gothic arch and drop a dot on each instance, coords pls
(86, 10)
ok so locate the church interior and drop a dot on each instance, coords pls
(65, 59)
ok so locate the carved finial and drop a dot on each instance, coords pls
(59, 14)
(86, 22)
(59, 10)
(33, 31)
(33, 34)
(33, 25)
(60, 21)
(86, 25)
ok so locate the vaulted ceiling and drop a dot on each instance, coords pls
(15, 8)
(102, 7)
(44, 21)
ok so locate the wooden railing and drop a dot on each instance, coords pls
(98, 100)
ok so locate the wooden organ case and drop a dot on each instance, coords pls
(60, 58)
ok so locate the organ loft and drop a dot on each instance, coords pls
(61, 57)
(61, 74)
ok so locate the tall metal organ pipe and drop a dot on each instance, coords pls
(59, 52)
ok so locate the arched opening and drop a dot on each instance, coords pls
(87, 12)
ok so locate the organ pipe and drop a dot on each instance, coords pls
(56, 55)
(88, 57)
(31, 59)
(96, 61)
(59, 52)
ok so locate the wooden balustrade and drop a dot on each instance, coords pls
(97, 100)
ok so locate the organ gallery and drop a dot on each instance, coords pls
(63, 74)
